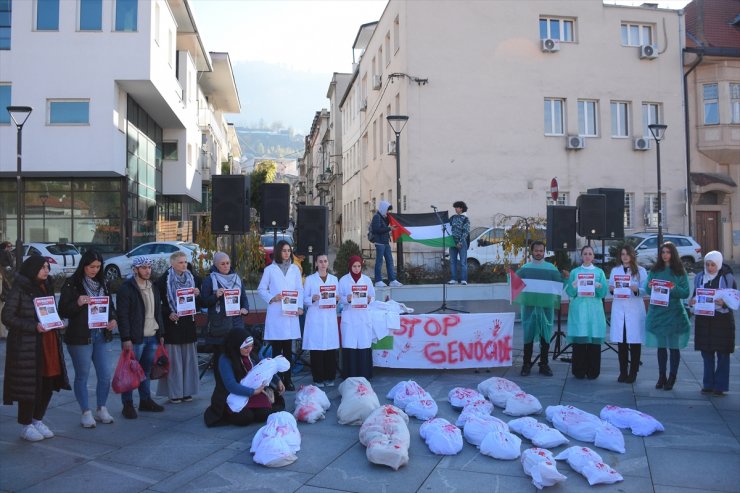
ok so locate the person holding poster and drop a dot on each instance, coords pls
(667, 326)
(715, 334)
(281, 328)
(225, 297)
(356, 327)
(180, 335)
(321, 332)
(586, 287)
(86, 342)
(627, 283)
(34, 363)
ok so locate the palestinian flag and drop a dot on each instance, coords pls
(421, 228)
(536, 286)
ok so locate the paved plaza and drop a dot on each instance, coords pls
(174, 451)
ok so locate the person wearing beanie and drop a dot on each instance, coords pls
(381, 231)
(356, 326)
(34, 363)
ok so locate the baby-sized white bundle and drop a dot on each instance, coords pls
(540, 465)
(481, 407)
(498, 390)
(640, 423)
(522, 404)
(422, 409)
(277, 442)
(538, 433)
(478, 426)
(459, 397)
(260, 375)
(501, 445)
(585, 427)
(588, 463)
(442, 437)
(358, 401)
(311, 404)
(385, 433)
(414, 400)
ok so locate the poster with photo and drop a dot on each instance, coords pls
(97, 312)
(359, 296)
(328, 296)
(705, 302)
(290, 303)
(586, 285)
(661, 292)
(622, 288)
(231, 302)
(185, 301)
(46, 311)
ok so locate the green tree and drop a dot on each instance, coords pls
(520, 232)
(264, 172)
(346, 250)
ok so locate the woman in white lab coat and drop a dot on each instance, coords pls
(356, 327)
(320, 332)
(628, 314)
(280, 329)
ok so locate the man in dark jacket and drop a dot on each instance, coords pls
(382, 238)
(142, 329)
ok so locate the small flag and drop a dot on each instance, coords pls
(516, 286)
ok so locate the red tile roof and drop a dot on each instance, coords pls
(713, 23)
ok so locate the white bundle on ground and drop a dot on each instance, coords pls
(522, 404)
(540, 465)
(311, 404)
(358, 401)
(588, 463)
(501, 445)
(538, 433)
(477, 427)
(414, 400)
(481, 407)
(259, 376)
(498, 390)
(276, 443)
(641, 424)
(459, 397)
(442, 437)
(385, 433)
(609, 437)
(586, 427)
(422, 409)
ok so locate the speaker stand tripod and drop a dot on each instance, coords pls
(443, 307)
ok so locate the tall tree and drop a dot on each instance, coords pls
(264, 172)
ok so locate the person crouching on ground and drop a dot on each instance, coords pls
(233, 365)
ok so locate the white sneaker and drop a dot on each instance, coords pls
(103, 415)
(395, 284)
(381, 284)
(451, 282)
(43, 429)
(329, 383)
(87, 420)
(31, 434)
(464, 283)
(319, 384)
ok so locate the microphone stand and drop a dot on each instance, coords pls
(444, 306)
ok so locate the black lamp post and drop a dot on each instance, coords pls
(658, 131)
(19, 114)
(44, 197)
(397, 122)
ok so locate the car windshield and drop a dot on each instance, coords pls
(633, 240)
(190, 246)
(62, 249)
(476, 232)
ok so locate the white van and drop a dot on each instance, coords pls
(485, 247)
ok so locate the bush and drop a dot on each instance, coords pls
(348, 249)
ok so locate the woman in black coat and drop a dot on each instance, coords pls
(34, 363)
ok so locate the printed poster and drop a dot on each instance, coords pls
(705, 302)
(622, 288)
(46, 311)
(328, 296)
(185, 301)
(231, 302)
(586, 285)
(290, 303)
(661, 292)
(359, 296)
(97, 312)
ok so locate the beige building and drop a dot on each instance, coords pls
(502, 97)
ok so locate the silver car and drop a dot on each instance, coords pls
(158, 251)
(646, 245)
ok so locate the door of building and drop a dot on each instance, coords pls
(707, 230)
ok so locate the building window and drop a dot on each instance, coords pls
(169, 151)
(629, 200)
(387, 48)
(587, 118)
(735, 103)
(650, 115)
(636, 34)
(91, 15)
(561, 29)
(553, 116)
(126, 15)
(47, 15)
(68, 112)
(396, 34)
(711, 104)
(5, 11)
(4, 103)
(562, 199)
(620, 119)
(156, 23)
(651, 209)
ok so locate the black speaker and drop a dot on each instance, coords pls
(312, 234)
(275, 205)
(561, 228)
(591, 215)
(229, 204)
(614, 217)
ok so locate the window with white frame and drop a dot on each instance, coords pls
(629, 200)
(554, 116)
(127, 14)
(636, 34)
(651, 209)
(711, 104)
(557, 28)
(47, 15)
(562, 199)
(620, 119)
(735, 103)
(68, 112)
(587, 118)
(650, 115)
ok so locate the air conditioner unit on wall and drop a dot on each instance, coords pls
(641, 144)
(575, 142)
(363, 105)
(550, 45)
(648, 51)
(391, 147)
(377, 82)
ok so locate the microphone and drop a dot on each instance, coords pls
(433, 207)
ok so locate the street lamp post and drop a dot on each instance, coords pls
(19, 114)
(44, 197)
(397, 122)
(658, 131)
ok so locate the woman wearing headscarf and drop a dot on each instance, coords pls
(180, 334)
(221, 278)
(281, 328)
(356, 327)
(34, 363)
(233, 365)
(715, 334)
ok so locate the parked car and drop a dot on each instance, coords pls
(63, 258)
(267, 244)
(157, 250)
(486, 247)
(646, 245)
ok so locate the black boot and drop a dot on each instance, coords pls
(544, 367)
(670, 382)
(635, 351)
(527, 359)
(287, 381)
(622, 352)
(661, 381)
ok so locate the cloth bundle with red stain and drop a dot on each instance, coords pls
(311, 404)
(385, 433)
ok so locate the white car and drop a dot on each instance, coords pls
(158, 251)
(486, 247)
(63, 258)
(646, 245)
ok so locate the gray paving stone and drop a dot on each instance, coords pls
(238, 476)
(459, 481)
(707, 470)
(100, 476)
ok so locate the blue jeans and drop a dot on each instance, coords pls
(145, 354)
(461, 252)
(716, 377)
(384, 251)
(99, 353)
